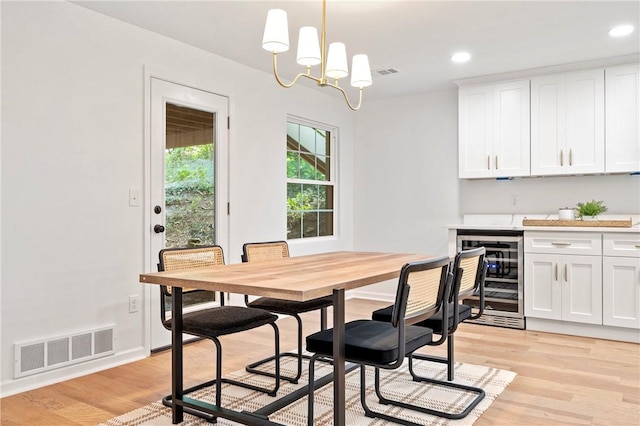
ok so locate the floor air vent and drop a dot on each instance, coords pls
(60, 351)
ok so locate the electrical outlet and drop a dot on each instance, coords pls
(514, 200)
(134, 303)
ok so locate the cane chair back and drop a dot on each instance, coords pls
(189, 258)
(469, 268)
(425, 293)
(260, 252)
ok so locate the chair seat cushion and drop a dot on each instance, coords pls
(370, 341)
(223, 320)
(290, 307)
(434, 323)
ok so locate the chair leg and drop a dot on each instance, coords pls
(218, 372)
(368, 412)
(219, 380)
(253, 367)
(480, 394)
(323, 319)
(276, 375)
(310, 398)
(449, 360)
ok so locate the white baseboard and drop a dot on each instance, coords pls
(584, 330)
(12, 387)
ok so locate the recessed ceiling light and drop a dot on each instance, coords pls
(621, 31)
(460, 57)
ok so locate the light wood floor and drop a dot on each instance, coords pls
(561, 379)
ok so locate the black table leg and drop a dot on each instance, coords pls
(176, 356)
(338, 358)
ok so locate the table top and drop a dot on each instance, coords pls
(295, 278)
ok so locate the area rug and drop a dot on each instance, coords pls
(395, 384)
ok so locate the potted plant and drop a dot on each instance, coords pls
(591, 209)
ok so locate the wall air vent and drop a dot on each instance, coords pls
(60, 351)
(386, 71)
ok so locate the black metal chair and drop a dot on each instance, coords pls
(469, 269)
(211, 323)
(264, 251)
(423, 289)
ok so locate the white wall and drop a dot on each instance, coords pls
(406, 185)
(73, 145)
(545, 195)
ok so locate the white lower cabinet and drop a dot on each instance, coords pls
(621, 280)
(563, 276)
(563, 287)
(587, 278)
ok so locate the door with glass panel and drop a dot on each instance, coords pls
(187, 203)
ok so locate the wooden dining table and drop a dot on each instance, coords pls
(295, 278)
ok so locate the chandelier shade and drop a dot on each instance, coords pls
(337, 61)
(276, 32)
(360, 71)
(312, 51)
(308, 47)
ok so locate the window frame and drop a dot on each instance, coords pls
(332, 182)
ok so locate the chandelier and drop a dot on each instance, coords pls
(310, 53)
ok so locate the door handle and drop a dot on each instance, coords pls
(561, 158)
(559, 243)
(566, 278)
(488, 163)
(158, 229)
(556, 272)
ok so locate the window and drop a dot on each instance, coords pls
(310, 181)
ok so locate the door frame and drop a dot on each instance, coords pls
(149, 264)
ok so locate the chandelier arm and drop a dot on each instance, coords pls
(282, 83)
(346, 98)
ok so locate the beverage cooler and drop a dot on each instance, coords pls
(504, 282)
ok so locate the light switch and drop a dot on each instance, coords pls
(134, 197)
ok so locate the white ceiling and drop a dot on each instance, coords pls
(415, 37)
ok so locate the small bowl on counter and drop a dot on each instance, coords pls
(566, 213)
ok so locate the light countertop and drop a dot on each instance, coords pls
(513, 222)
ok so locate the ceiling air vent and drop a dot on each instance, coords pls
(386, 71)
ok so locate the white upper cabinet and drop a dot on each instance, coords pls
(567, 123)
(623, 119)
(493, 130)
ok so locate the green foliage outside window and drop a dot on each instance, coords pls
(189, 195)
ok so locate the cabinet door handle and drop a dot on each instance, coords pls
(556, 272)
(488, 162)
(637, 245)
(561, 158)
(571, 157)
(566, 275)
(496, 162)
(560, 243)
